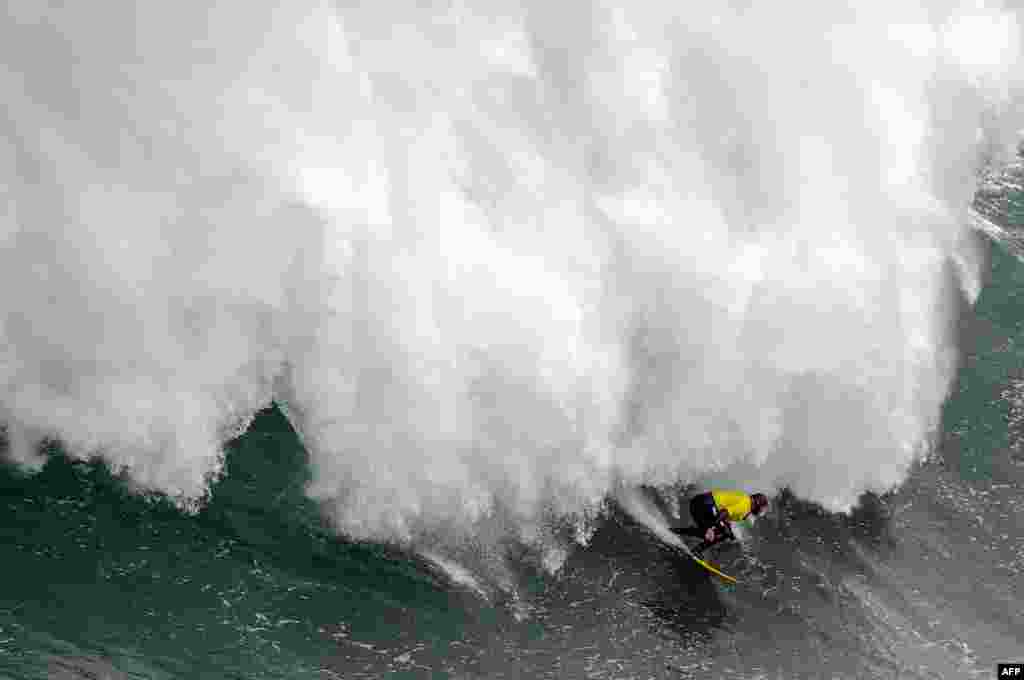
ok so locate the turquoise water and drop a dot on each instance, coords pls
(254, 585)
(976, 415)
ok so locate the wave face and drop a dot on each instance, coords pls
(494, 260)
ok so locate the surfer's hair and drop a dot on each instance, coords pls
(759, 503)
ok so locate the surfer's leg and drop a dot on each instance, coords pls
(705, 544)
(716, 538)
(703, 510)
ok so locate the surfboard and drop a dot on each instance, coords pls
(712, 569)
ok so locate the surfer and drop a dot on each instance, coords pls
(714, 512)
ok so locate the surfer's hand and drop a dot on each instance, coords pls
(709, 535)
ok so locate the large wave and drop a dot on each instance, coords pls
(495, 256)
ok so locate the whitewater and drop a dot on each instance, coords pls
(436, 313)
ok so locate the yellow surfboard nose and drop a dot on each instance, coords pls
(713, 570)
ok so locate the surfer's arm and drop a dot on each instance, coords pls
(726, 526)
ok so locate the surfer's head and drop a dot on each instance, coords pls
(758, 503)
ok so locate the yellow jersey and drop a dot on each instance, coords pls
(736, 503)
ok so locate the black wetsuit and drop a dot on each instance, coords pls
(704, 512)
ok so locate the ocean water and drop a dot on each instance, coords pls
(357, 341)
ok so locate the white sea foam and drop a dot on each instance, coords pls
(458, 574)
(494, 255)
